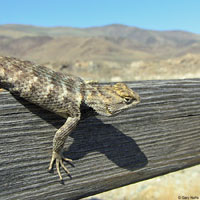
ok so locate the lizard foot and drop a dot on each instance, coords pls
(58, 158)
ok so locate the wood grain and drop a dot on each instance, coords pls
(160, 135)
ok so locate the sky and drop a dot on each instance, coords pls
(147, 14)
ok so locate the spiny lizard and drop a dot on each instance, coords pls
(64, 94)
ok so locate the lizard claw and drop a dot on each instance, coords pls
(59, 161)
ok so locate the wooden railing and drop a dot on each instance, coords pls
(159, 136)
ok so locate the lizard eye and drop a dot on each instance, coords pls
(128, 100)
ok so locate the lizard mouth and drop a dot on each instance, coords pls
(110, 112)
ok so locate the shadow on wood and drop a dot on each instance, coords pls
(159, 136)
(103, 138)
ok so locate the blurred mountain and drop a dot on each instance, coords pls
(113, 43)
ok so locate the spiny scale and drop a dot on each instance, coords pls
(67, 95)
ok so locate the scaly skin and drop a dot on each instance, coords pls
(64, 94)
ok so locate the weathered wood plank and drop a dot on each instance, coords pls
(160, 135)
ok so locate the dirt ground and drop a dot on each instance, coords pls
(183, 184)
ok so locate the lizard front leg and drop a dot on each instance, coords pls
(58, 143)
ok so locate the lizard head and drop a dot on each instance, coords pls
(111, 99)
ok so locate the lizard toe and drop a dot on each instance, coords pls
(58, 158)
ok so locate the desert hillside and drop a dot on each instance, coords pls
(109, 50)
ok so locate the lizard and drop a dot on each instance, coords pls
(64, 94)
